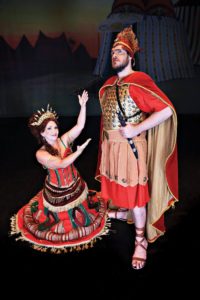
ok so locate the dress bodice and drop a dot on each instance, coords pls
(63, 177)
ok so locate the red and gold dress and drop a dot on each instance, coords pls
(152, 178)
(64, 214)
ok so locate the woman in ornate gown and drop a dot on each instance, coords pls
(64, 214)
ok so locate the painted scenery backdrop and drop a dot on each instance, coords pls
(48, 51)
(51, 50)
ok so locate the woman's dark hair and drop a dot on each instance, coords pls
(37, 130)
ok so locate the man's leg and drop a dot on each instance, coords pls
(140, 253)
(118, 213)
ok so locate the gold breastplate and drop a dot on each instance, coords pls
(110, 107)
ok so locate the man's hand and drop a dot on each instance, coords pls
(129, 131)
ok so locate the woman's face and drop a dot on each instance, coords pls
(50, 132)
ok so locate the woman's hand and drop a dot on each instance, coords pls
(83, 98)
(83, 146)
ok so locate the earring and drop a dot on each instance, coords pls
(133, 63)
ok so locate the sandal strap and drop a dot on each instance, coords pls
(139, 234)
(122, 209)
(140, 228)
(139, 243)
(116, 216)
(138, 258)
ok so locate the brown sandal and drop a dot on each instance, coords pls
(139, 244)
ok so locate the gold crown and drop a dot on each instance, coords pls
(43, 115)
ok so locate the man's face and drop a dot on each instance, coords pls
(120, 58)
